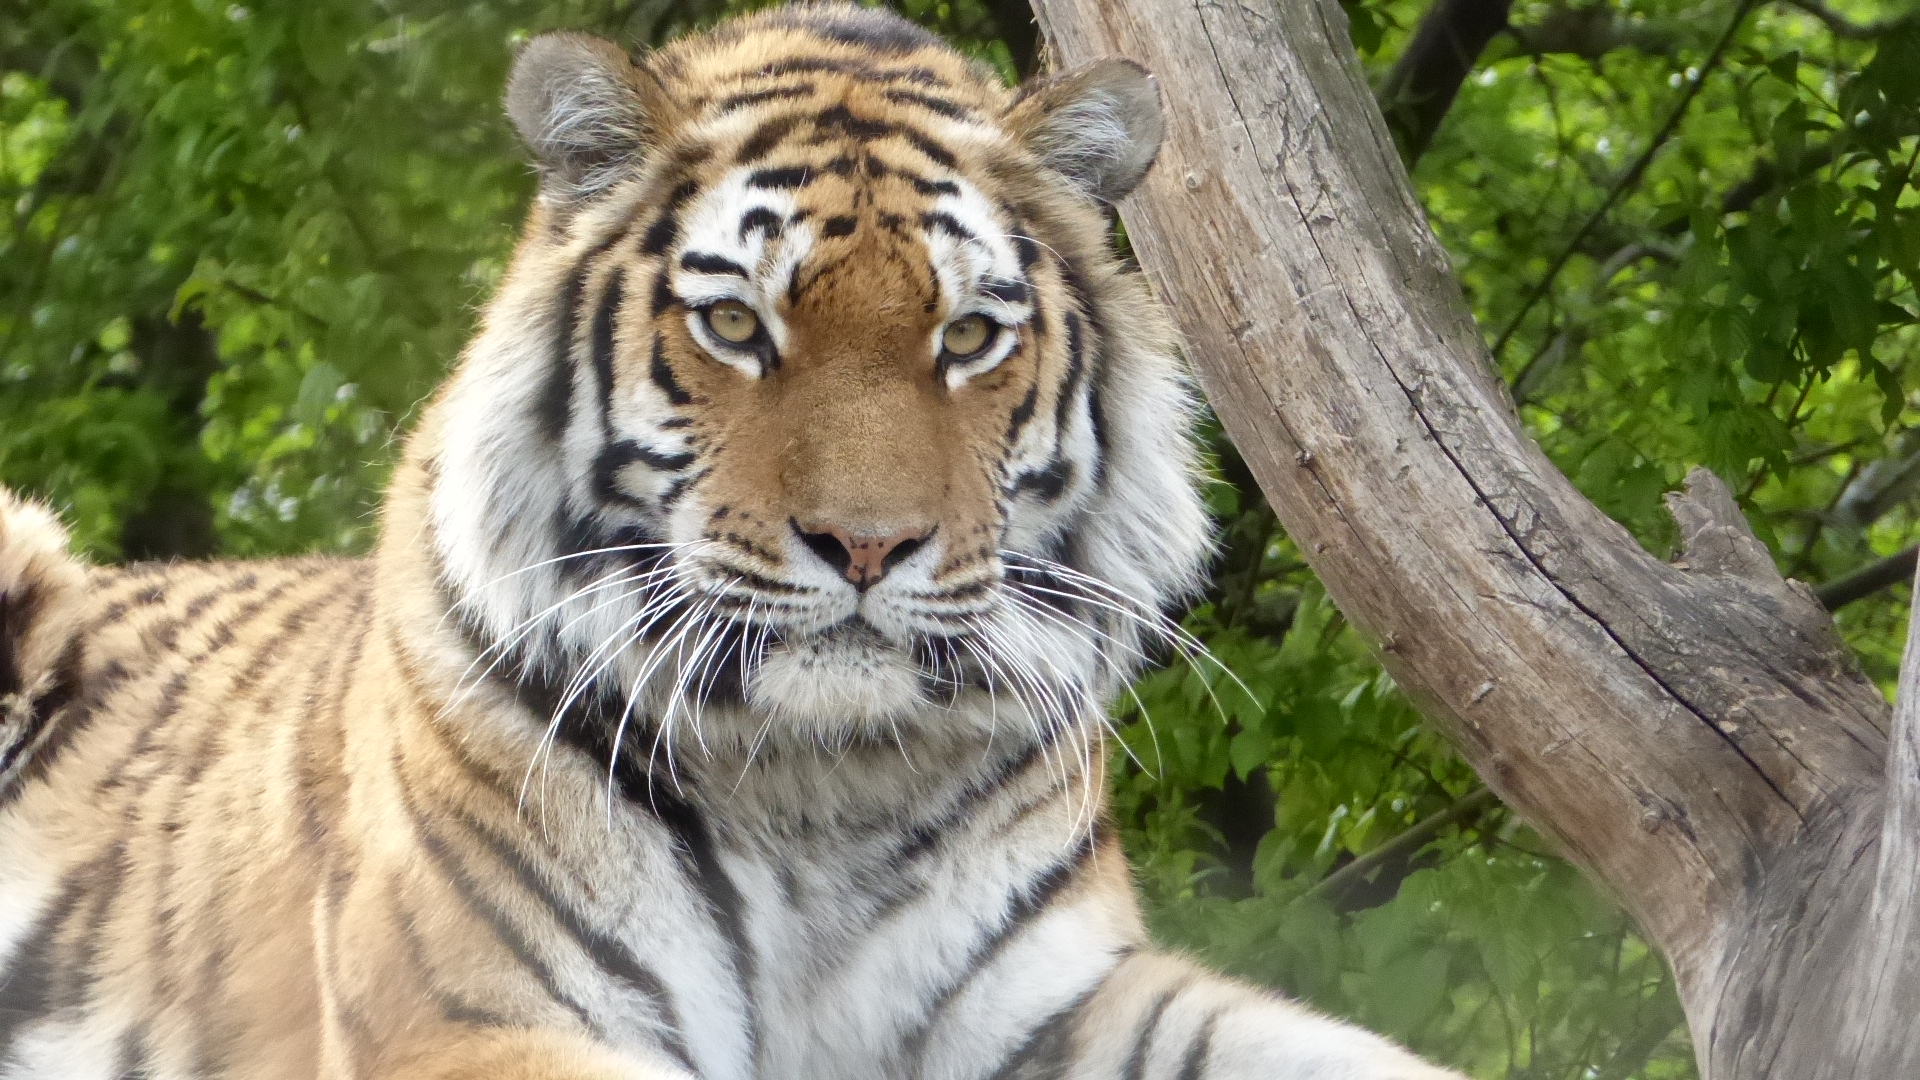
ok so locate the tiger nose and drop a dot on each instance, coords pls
(864, 558)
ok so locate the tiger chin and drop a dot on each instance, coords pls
(724, 698)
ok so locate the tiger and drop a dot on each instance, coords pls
(725, 694)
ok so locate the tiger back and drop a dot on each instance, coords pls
(726, 695)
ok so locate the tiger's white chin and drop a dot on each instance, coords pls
(831, 681)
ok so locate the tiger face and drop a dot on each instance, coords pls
(818, 404)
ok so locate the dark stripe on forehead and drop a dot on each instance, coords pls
(941, 221)
(706, 262)
(765, 137)
(1027, 249)
(1007, 290)
(756, 97)
(934, 187)
(939, 105)
(837, 226)
(859, 69)
(839, 119)
(933, 151)
(666, 227)
(763, 219)
(792, 176)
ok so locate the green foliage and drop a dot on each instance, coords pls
(238, 243)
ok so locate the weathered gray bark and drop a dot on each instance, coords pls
(1692, 733)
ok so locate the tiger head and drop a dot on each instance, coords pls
(816, 401)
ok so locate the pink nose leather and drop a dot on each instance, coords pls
(867, 555)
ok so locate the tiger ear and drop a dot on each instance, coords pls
(585, 109)
(1099, 125)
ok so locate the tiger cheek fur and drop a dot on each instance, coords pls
(725, 696)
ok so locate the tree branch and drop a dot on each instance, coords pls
(1695, 734)
(1863, 583)
(1628, 179)
(1417, 93)
(1468, 807)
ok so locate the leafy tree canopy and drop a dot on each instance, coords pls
(239, 243)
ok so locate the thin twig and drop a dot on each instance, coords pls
(1628, 179)
(1892, 570)
(1415, 838)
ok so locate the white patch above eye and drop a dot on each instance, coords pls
(738, 242)
(978, 270)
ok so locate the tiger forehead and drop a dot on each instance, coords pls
(773, 59)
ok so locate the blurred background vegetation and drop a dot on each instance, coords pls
(239, 243)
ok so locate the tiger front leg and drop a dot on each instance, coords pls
(525, 1054)
(1161, 1017)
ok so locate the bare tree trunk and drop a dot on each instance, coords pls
(1692, 733)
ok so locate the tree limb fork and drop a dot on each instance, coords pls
(1693, 733)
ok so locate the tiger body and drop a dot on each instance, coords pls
(723, 699)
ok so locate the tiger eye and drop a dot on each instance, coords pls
(733, 321)
(967, 335)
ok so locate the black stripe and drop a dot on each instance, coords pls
(42, 710)
(1194, 1065)
(1048, 483)
(1028, 251)
(768, 135)
(678, 489)
(468, 890)
(790, 176)
(555, 406)
(760, 218)
(608, 953)
(666, 228)
(1048, 1052)
(662, 375)
(1136, 1067)
(838, 226)
(933, 151)
(606, 323)
(934, 187)
(100, 687)
(1097, 415)
(453, 1008)
(17, 612)
(1007, 290)
(131, 1062)
(700, 860)
(940, 105)
(1025, 907)
(27, 990)
(856, 68)
(663, 297)
(941, 221)
(706, 262)
(839, 118)
(1022, 413)
(755, 97)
